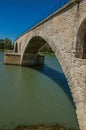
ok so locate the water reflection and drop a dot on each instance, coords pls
(57, 77)
(35, 96)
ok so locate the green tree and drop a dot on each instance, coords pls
(2, 44)
(46, 48)
(8, 44)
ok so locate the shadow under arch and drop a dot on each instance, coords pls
(32, 48)
(30, 52)
(34, 45)
(16, 47)
(57, 77)
(81, 41)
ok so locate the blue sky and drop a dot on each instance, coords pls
(16, 16)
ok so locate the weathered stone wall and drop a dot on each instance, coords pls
(60, 31)
(79, 90)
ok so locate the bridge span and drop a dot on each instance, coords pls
(65, 32)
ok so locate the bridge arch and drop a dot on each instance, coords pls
(81, 41)
(31, 49)
(34, 44)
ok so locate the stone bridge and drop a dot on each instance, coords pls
(65, 32)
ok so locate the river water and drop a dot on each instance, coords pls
(35, 96)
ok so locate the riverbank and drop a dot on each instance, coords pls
(2, 50)
(44, 53)
(42, 127)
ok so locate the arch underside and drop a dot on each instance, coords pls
(34, 45)
(81, 41)
(31, 56)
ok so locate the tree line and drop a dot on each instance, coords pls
(6, 44)
(46, 48)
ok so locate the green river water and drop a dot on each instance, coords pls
(35, 96)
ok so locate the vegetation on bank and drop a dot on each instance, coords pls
(42, 127)
(46, 49)
(6, 44)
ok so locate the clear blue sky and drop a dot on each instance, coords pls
(16, 16)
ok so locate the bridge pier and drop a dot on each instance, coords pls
(32, 60)
(80, 84)
(10, 57)
(77, 83)
(28, 59)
